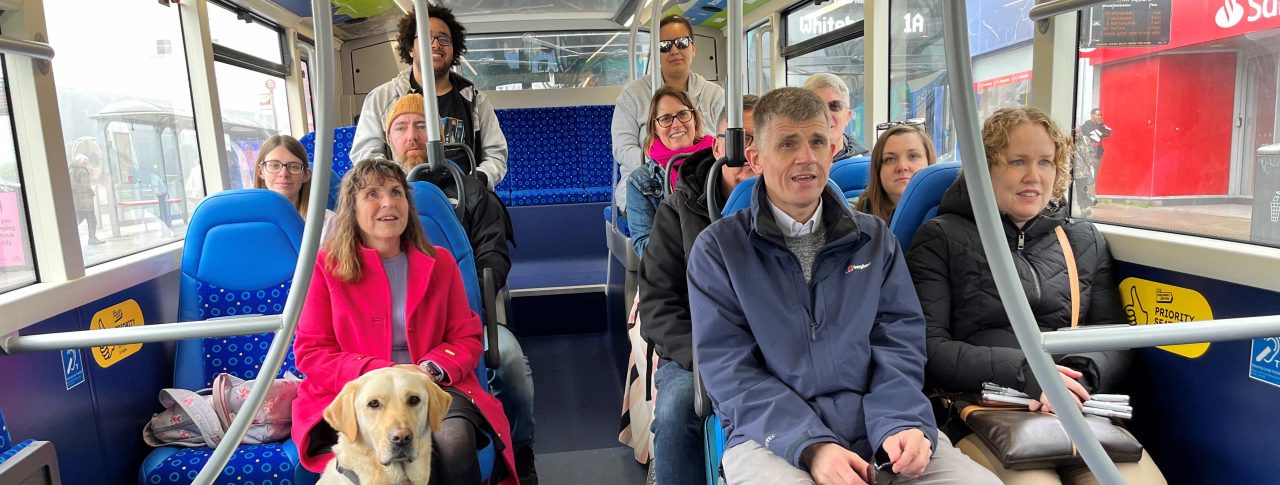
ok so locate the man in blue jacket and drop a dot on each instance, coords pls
(806, 326)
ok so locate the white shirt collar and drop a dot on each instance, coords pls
(792, 228)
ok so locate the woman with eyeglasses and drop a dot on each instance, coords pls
(282, 168)
(1064, 267)
(675, 128)
(902, 149)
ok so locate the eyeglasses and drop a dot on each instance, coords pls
(907, 122)
(680, 43)
(443, 40)
(837, 106)
(272, 166)
(683, 115)
(747, 140)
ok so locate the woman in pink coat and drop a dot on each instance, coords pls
(383, 296)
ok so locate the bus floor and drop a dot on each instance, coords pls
(578, 381)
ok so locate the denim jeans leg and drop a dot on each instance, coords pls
(512, 384)
(677, 434)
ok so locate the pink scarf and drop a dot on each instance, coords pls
(662, 155)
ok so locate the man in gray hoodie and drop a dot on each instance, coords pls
(632, 108)
(466, 116)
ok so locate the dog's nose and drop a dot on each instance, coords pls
(401, 437)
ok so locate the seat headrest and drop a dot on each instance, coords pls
(243, 239)
(920, 200)
(851, 174)
(441, 225)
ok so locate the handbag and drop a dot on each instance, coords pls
(1024, 440)
(192, 419)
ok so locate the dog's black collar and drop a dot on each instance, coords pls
(347, 472)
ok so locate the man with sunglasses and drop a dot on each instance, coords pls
(664, 306)
(466, 116)
(806, 327)
(835, 93)
(632, 107)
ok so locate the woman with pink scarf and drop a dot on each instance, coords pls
(675, 127)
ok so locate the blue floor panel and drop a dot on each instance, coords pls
(612, 466)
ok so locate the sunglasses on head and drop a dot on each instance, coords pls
(680, 43)
(907, 122)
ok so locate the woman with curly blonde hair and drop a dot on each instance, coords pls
(969, 339)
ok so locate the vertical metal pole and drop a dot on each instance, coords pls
(977, 175)
(655, 57)
(735, 137)
(435, 148)
(283, 340)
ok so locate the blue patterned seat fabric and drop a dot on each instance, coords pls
(559, 155)
(239, 257)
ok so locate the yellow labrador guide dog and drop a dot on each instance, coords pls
(384, 421)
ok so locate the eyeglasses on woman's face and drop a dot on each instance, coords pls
(681, 43)
(443, 40)
(272, 166)
(908, 122)
(683, 115)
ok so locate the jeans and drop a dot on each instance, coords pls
(678, 456)
(644, 193)
(512, 384)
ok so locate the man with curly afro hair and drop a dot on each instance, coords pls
(466, 115)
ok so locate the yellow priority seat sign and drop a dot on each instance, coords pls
(124, 314)
(1151, 303)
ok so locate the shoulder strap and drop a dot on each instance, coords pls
(1070, 256)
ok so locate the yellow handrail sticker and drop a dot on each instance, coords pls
(1150, 303)
(123, 314)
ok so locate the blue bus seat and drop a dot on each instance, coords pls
(28, 461)
(851, 175)
(342, 139)
(220, 278)
(920, 200)
(440, 223)
(557, 155)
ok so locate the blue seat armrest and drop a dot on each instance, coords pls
(489, 293)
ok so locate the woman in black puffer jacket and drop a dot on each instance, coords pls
(970, 339)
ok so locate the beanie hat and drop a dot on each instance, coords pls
(411, 103)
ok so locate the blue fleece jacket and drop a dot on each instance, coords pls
(790, 364)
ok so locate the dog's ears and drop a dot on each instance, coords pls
(438, 405)
(341, 413)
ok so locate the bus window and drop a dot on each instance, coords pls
(17, 267)
(759, 60)
(549, 60)
(828, 38)
(121, 103)
(1001, 53)
(1191, 146)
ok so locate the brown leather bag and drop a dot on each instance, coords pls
(1023, 440)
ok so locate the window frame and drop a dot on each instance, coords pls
(228, 55)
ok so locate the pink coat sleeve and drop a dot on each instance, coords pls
(316, 347)
(459, 352)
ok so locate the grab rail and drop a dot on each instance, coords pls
(134, 335)
(973, 159)
(28, 48)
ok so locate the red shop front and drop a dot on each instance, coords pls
(1188, 116)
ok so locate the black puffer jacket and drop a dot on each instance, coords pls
(486, 221)
(664, 290)
(970, 339)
